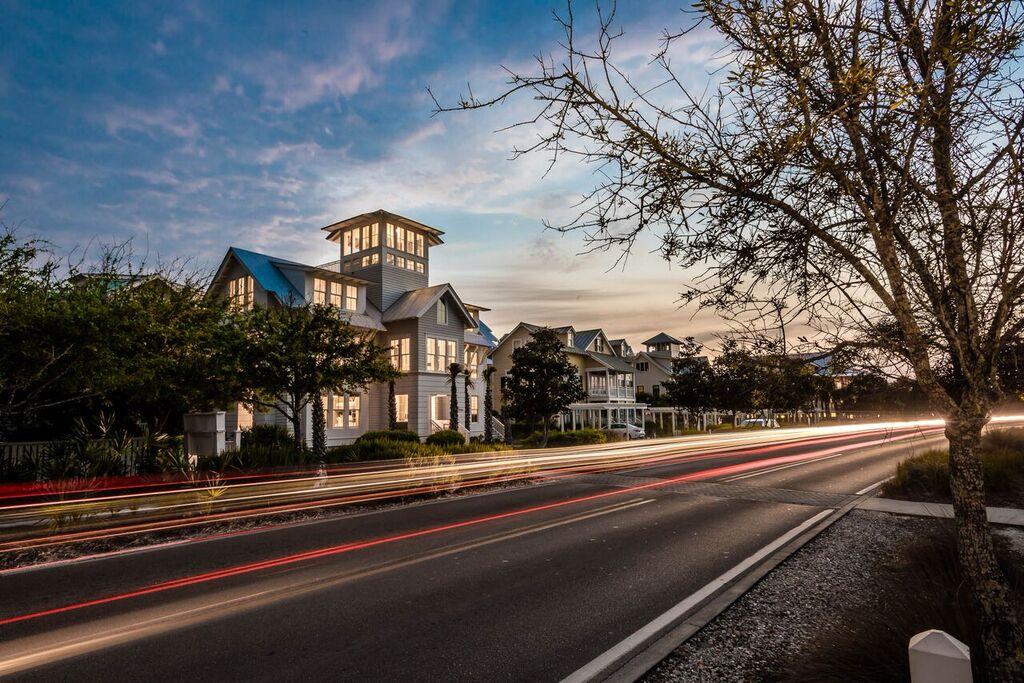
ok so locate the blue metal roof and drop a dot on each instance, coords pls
(263, 270)
(486, 333)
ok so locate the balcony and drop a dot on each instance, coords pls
(604, 386)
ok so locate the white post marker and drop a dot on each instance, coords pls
(937, 657)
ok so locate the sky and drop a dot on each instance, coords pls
(193, 126)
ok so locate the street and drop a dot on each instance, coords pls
(527, 583)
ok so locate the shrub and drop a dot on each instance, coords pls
(612, 435)
(259, 455)
(478, 447)
(390, 435)
(446, 437)
(573, 437)
(266, 435)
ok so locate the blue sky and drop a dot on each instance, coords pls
(193, 126)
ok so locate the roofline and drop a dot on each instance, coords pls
(338, 226)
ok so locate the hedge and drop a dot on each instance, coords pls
(575, 437)
(446, 437)
(390, 435)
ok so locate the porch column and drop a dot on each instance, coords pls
(673, 423)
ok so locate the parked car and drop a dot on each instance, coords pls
(630, 431)
(760, 422)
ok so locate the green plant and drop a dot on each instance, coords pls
(446, 437)
(389, 435)
(266, 435)
(575, 437)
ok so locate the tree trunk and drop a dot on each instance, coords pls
(488, 417)
(544, 440)
(392, 407)
(1002, 635)
(296, 420)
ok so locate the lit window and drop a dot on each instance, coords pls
(401, 407)
(351, 296)
(640, 388)
(598, 344)
(347, 238)
(400, 238)
(442, 313)
(327, 409)
(419, 267)
(440, 354)
(517, 344)
(352, 413)
(391, 235)
(337, 412)
(570, 338)
(471, 360)
(400, 356)
(240, 293)
(474, 408)
(419, 245)
(390, 259)
(401, 261)
(335, 294)
(375, 235)
(320, 288)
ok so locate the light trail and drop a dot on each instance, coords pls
(109, 516)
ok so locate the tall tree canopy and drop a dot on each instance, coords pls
(860, 160)
(542, 382)
(294, 354)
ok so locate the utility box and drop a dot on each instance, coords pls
(204, 433)
(937, 657)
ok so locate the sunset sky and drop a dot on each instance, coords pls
(197, 126)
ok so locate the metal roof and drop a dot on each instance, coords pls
(415, 302)
(611, 362)
(662, 338)
(333, 229)
(265, 272)
(582, 338)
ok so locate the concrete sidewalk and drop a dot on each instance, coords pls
(1010, 516)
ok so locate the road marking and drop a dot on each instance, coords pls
(595, 667)
(868, 488)
(69, 645)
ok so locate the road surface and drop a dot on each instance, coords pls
(529, 583)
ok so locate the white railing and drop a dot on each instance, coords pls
(497, 428)
(614, 392)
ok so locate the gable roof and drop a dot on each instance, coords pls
(663, 363)
(266, 274)
(662, 338)
(486, 333)
(416, 302)
(611, 362)
(531, 328)
(433, 234)
(583, 338)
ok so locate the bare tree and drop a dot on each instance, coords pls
(859, 160)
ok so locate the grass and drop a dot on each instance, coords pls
(926, 476)
(923, 588)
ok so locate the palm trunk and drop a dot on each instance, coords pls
(1002, 635)
(453, 408)
(319, 429)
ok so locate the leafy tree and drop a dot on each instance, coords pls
(860, 161)
(542, 382)
(488, 404)
(295, 353)
(454, 370)
(692, 386)
(738, 376)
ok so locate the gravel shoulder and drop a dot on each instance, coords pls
(840, 583)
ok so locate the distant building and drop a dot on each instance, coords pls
(653, 365)
(607, 376)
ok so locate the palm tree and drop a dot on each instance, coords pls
(467, 384)
(454, 370)
(392, 407)
(488, 404)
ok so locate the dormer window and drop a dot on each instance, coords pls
(240, 293)
(442, 313)
(599, 344)
(335, 294)
(572, 340)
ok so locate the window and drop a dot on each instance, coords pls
(400, 262)
(656, 391)
(419, 267)
(335, 294)
(401, 407)
(517, 344)
(369, 260)
(361, 239)
(404, 239)
(321, 288)
(351, 297)
(442, 313)
(352, 411)
(240, 292)
(471, 362)
(474, 408)
(641, 366)
(337, 420)
(440, 354)
(419, 245)
(389, 259)
(327, 409)
(400, 356)
(640, 388)
(571, 342)
(599, 344)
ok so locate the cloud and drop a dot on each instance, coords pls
(158, 47)
(271, 155)
(151, 122)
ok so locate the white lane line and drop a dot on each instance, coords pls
(778, 468)
(868, 488)
(598, 665)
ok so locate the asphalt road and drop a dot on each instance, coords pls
(522, 584)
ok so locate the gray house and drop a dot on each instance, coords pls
(380, 283)
(653, 365)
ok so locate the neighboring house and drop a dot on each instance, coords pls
(824, 366)
(380, 284)
(653, 365)
(607, 377)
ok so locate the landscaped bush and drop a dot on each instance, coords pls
(262, 455)
(446, 437)
(926, 475)
(478, 447)
(573, 437)
(266, 435)
(390, 435)
(613, 435)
